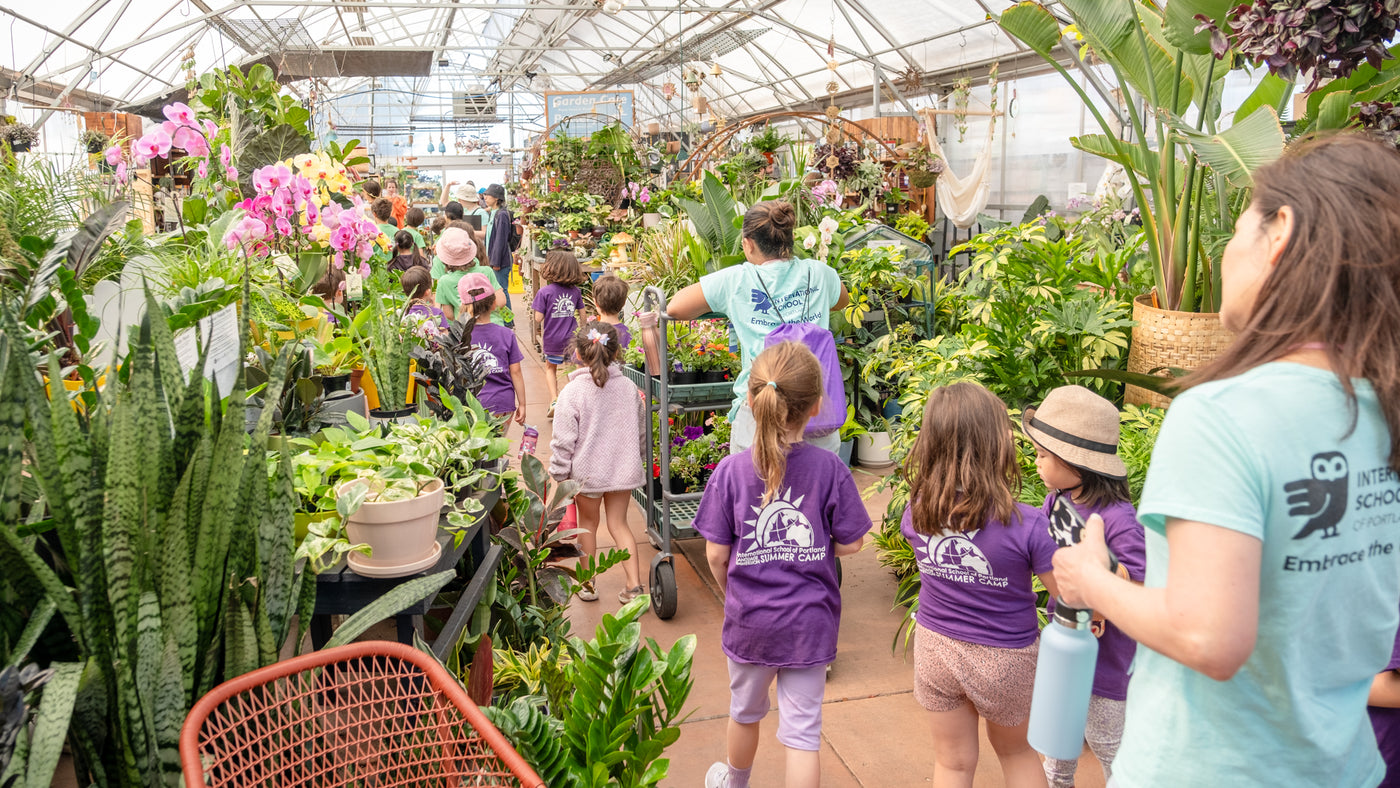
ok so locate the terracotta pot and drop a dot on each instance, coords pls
(653, 128)
(402, 535)
(1164, 338)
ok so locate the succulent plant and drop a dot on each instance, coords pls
(1381, 118)
(1328, 38)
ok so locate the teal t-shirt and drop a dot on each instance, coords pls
(754, 296)
(447, 288)
(1270, 453)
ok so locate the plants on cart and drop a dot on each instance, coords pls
(623, 711)
(695, 452)
(449, 361)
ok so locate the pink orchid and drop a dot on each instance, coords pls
(231, 173)
(113, 154)
(169, 128)
(284, 227)
(154, 145)
(271, 177)
(203, 169)
(225, 154)
(121, 172)
(210, 129)
(365, 270)
(179, 113)
(339, 259)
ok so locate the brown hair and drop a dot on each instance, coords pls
(414, 217)
(561, 267)
(372, 189)
(403, 241)
(600, 355)
(1094, 488)
(382, 208)
(439, 224)
(785, 384)
(1335, 281)
(769, 224)
(610, 294)
(483, 306)
(328, 286)
(416, 281)
(962, 471)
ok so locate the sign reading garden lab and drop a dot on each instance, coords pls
(615, 104)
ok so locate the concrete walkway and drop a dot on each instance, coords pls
(873, 732)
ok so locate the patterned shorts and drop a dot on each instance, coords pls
(996, 681)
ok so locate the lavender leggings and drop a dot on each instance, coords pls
(1104, 732)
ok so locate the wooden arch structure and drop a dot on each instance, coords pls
(697, 161)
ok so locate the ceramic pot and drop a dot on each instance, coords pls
(334, 383)
(402, 415)
(873, 450)
(650, 220)
(338, 403)
(402, 535)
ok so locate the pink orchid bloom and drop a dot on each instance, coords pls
(365, 271)
(113, 154)
(284, 227)
(364, 250)
(203, 169)
(121, 172)
(339, 260)
(231, 173)
(154, 145)
(271, 177)
(225, 154)
(210, 129)
(169, 128)
(179, 113)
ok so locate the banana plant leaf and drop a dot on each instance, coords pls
(1239, 150)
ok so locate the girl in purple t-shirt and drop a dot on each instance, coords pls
(976, 641)
(557, 306)
(1075, 433)
(774, 517)
(496, 348)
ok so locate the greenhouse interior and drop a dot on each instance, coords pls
(913, 315)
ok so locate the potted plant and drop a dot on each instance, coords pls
(849, 432)
(768, 141)
(395, 513)
(922, 166)
(19, 136)
(873, 445)
(93, 140)
(389, 357)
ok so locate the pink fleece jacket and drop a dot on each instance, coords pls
(599, 433)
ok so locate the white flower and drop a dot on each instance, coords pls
(828, 226)
(826, 238)
(809, 242)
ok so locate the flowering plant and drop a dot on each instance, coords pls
(696, 451)
(181, 130)
(327, 176)
(638, 194)
(827, 194)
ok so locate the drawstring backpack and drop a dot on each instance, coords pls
(823, 345)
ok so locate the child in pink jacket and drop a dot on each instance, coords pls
(599, 437)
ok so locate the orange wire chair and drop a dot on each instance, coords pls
(367, 714)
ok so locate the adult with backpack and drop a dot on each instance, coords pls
(502, 239)
(770, 298)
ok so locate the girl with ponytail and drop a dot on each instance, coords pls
(598, 414)
(775, 517)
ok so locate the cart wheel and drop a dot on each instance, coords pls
(654, 539)
(663, 589)
(839, 574)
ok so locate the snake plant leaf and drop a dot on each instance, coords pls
(390, 604)
(171, 704)
(1033, 25)
(38, 621)
(1239, 150)
(51, 723)
(177, 601)
(275, 549)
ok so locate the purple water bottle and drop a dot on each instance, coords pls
(528, 441)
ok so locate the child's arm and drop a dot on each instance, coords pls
(448, 311)
(517, 379)
(718, 557)
(565, 440)
(1047, 579)
(848, 549)
(1385, 690)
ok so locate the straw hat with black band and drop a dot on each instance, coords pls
(1079, 427)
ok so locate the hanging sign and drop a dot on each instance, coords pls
(615, 104)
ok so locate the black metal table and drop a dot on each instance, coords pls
(341, 591)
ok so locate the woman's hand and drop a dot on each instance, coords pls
(1077, 567)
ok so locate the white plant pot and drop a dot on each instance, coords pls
(402, 535)
(650, 220)
(873, 450)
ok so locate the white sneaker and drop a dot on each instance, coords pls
(718, 775)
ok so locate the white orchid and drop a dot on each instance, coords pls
(809, 242)
(827, 226)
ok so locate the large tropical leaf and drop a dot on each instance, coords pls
(75, 249)
(278, 143)
(1271, 91)
(1136, 159)
(1115, 33)
(1179, 23)
(1239, 150)
(1033, 25)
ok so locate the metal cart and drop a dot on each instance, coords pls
(669, 515)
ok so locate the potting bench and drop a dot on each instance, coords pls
(341, 591)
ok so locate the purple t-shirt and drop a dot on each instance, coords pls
(423, 308)
(1386, 723)
(976, 585)
(558, 303)
(497, 348)
(624, 337)
(783, 607)
(1127, 540)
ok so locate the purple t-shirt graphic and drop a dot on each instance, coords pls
(497, 348)
(976, 585)
(1127, 541)
(558, 303)
(783, 607)
(1386, 723)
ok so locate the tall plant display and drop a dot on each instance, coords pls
(1186, 184)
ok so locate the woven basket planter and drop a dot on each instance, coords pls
(1163, 338)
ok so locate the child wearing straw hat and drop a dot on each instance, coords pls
(1075, 433)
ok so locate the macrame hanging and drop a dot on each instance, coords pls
(962, 197)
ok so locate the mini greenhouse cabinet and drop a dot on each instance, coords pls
(918, 259)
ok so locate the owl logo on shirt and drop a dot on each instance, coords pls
(1323, 498)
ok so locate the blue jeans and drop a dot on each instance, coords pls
(503, 279)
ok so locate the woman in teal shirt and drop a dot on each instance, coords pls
(1272, 504)
(770, 289)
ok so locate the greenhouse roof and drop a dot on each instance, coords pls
(392, 67)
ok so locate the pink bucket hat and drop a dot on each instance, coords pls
(456, 248)
(475, 287)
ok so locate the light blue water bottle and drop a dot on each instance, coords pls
(1064, 680)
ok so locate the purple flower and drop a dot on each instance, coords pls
(691, 433)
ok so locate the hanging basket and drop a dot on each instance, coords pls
(922, 179)
(1164, 338)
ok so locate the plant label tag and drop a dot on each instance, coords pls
(354, 285)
